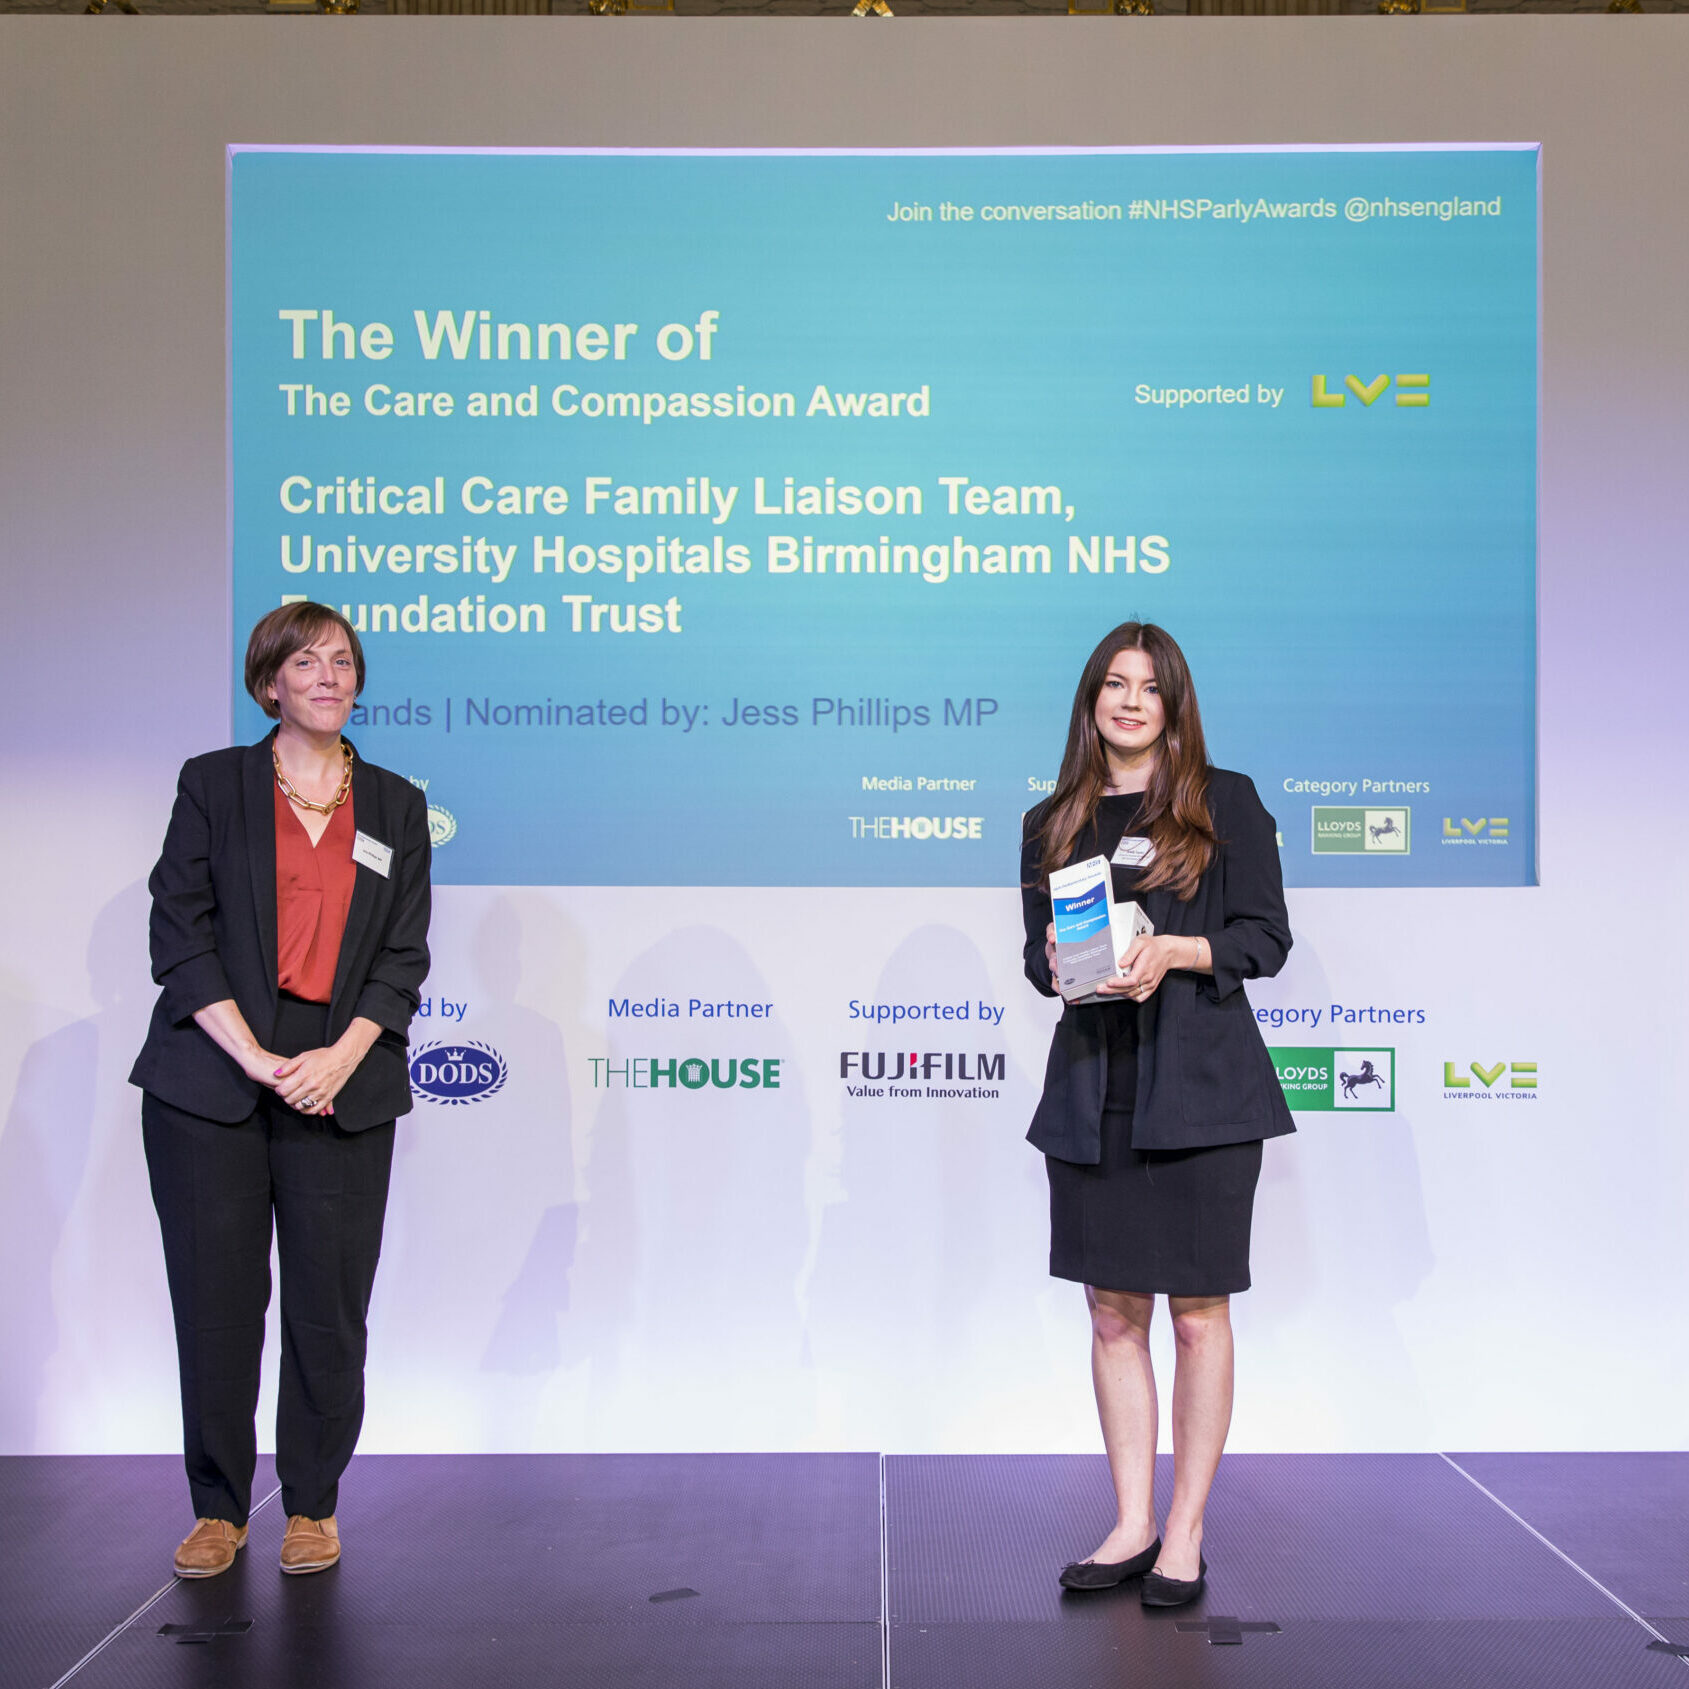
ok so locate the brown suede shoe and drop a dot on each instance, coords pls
(310, 1545)
(209, 1548)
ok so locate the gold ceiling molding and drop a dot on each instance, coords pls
(1265, 8)
(467, 8)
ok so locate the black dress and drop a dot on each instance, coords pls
(1150, 1221)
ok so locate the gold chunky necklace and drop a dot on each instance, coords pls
(287, 791)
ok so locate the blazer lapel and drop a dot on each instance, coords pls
(258, 788)
(368, 817)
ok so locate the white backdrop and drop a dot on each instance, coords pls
(575, 1267)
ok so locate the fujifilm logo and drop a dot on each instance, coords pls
(923, 827)
(929, 1074)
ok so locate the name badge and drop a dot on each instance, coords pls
(372, 853)
(1134, 853)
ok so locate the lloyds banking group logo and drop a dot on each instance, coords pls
(1337, 1081)
(1342, 830)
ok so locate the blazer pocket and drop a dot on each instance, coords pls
(380, 1088)
(1220, 1059)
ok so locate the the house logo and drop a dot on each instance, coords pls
(955, 828)
(689, 1073)
(1327, 1081)
(1344, 831)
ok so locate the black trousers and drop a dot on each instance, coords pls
(218, 1190)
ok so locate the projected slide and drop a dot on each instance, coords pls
(744, 519)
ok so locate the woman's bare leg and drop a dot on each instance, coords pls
(1126, 1405)
(1202, 1414)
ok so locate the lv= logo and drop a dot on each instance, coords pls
(1411, 390)
(1523, 1075)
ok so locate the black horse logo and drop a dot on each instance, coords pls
(1387, 829)
(1366, 1076)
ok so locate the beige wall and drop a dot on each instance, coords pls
(113, 620)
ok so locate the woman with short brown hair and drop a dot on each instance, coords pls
(289, 941)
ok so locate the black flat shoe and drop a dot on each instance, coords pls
(1105, 1574)
(1173, 1592)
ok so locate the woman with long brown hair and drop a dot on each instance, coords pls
(1156, 1099)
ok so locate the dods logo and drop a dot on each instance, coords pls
(1322, 1080)
(1482, 1081)
(458, 1073)
(442, 825)
(1412, 391)
(1369, 832)
(1487, 829)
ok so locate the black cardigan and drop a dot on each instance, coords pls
(213, 933)
(1204, 1075)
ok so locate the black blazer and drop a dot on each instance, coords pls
(1204, 1075)
(213, 933)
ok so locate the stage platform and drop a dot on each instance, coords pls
(855, 1571)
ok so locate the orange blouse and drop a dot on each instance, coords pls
(313, 895)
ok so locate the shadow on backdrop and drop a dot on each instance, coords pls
(476, 1264)
(695, 1228)
(46, 1152)
(1340, 1220)
(942, 1230)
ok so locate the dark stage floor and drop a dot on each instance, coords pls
(848, 1571)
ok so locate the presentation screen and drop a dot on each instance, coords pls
(744, 518)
